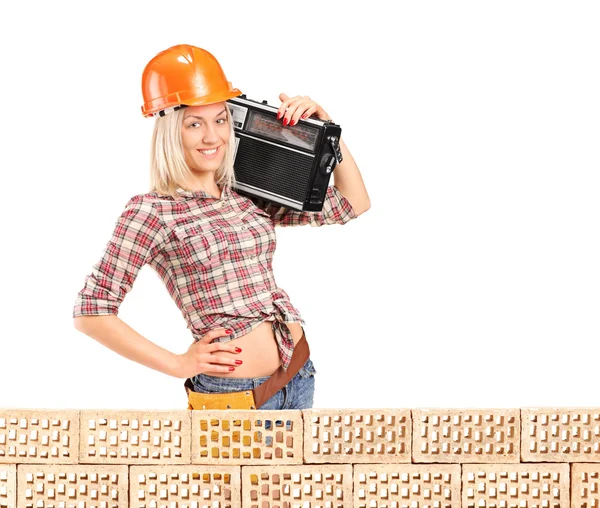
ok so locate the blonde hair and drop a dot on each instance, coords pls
(168, 169)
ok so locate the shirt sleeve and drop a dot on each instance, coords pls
(136, 238)
(336, 210)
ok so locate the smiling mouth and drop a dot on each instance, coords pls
(210, 151)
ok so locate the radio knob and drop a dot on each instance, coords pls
(264, 102)
(243, 96)
(328, 163)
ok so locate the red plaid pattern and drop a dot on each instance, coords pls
(213, 255)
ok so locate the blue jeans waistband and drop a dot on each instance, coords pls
(238, 384)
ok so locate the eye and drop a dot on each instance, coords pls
(223, 120)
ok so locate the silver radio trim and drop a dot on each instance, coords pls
(268, 195)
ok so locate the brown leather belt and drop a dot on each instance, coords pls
(255, 398)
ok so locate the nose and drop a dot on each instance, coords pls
(210, 135)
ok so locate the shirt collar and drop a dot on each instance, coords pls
(225, 192)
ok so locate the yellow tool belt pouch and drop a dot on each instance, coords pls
(231, 400)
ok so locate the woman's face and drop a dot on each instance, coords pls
(204, 129)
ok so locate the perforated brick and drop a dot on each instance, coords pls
(466, 435)
(407, 485)
(8, 485)
(515, 485)
(585, 485)
(67, 485)
(287, 486)
(135, 437)
(560, 434)
(246, 437)
(357, 435)
(38, 436)
(192, 486)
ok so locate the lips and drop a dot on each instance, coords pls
(210, 152)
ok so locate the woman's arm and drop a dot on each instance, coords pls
(348, 180)
(115, 334)
(118, 336)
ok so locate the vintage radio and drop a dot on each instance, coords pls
(287, 165)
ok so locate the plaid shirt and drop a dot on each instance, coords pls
(213, 255)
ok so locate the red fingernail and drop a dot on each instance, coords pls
(239, 362)
(238, 350)
(285, 121)
(278, 115)
(305, 115)
(231, 368)
(228, 331)
(293, 122)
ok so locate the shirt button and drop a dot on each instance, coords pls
(243, 228)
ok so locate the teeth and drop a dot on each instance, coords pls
(209, 152)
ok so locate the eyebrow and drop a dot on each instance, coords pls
(201, 117)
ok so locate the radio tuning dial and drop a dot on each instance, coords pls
(264, 102)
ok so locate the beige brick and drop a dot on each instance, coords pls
(519, 485)
(181, 486)
(585, 485)
(465, 435)
(65, 485)
(357, 435)
(246, 437)
(8, 485)
(291, 486)
(398, 485)
(560, 434)
(39, 436)
(135, 437)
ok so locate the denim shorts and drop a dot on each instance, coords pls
(297, 394)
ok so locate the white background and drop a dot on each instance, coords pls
(472, 282)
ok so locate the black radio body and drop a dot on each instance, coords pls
(286, 165)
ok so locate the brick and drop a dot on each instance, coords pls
(135, 437)
(181, 486)
(290, 486)
(40, 485)
(38, 436)
(585, 485)
(539, 485)
(357, 435)
(8, 485)
(560, 434)
(246, 437)
(402, 485)
(466, 435)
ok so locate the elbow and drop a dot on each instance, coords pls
(362, 207)
(83, 323)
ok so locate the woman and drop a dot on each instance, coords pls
(212, 247)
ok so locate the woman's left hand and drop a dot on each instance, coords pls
(294, 108)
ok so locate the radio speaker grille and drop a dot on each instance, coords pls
(281, 171)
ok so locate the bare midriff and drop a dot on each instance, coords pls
(260, 354)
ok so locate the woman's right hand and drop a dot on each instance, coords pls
(202, 357)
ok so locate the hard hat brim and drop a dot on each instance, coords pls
(194, 101)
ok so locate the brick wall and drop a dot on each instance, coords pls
(329, 458)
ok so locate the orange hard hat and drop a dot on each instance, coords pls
(183, 74)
